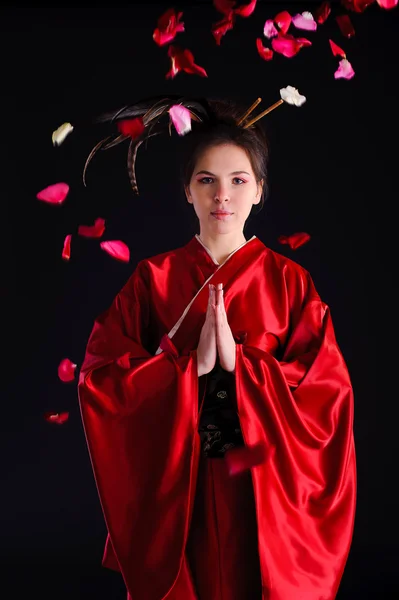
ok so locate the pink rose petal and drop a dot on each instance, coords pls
(269, 29)
(336, 50)
(66, 370)
(54, 194)
(294, 240)
(287, 45)
(387, 4)
(245, 457)
(58, 418)
(66, 251)
(345, 70)
(304, 22)
(265, 53)
(181, 118)
(116, 249)
(92, 231)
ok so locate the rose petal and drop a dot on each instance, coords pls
(183, 60)
(245, 457)
(345, 25)
(336, 50)
(345, 70)
(265, 53)
(246, 10)
(283, 21)
(168, 26)
(131, 127)
(269, 29)
(291, 95)
(116, 249)
(387, 4)
(58, 418)
(224, 6)
(54, 194)
(304, 21)
(286, 45)
(181, 118)
(322, 13)
(357, 5)
(92, 231)
(303, 42)
(220, 28)
(59, 135)
(294, 240)
(66, 250)
(66, 370)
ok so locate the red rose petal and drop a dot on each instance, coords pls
(286, 45)
(183, 60)
(224, 6)
(92, 231)
(66, 251)
(54, 194)
(58, 418)
(220, 28)
(244, 458)
(265, 53)
(303, 42)
(168, 26)
(131, 127)
(345, 25)
(66, 370)
(116, 249)
(322, 13)
(283, 21)
(295, 240)
(357, 5)
(336, 50)
(246, 10)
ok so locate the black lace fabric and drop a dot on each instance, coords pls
(219, 426)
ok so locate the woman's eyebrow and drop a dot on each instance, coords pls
(213, 175)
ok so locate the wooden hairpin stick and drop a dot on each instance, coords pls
(262, 114)
(248, 112)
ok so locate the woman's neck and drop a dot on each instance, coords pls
(221, 246)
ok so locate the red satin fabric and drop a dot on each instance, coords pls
(140, 416)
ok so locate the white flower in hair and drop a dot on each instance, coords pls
(291, 95)
(60, 134)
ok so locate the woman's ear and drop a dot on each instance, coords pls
(188, 194)
(259, 191)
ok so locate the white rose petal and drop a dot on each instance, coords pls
(291, 95)
(60, 134)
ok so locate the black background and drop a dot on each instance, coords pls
(333, 173)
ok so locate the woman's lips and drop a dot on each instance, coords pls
(221, 216)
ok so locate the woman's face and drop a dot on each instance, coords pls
(223, 180)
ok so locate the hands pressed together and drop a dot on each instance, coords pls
(216, 339)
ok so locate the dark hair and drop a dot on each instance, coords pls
(220, 129)
(214, 122)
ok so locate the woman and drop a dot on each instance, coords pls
(219, 345)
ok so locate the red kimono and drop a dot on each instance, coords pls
(140, 408)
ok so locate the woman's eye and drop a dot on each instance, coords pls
(239, 179)
(204, 178)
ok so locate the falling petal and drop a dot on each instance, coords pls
(322, 13)
(169, 25)
(66, 251)
(66, 370)
(58, 418)
(124, 361)
(304, 21)
(92, 231)
(303, 42)
(61, 133)
(287, 45)
(246, 10)
(265, 53)
(387, 4)
(345, 70)
(269, 29)
(336, 50)
(283, 21)
(116, 249)
(131, 127)
(291, 95)
(295, 240)
(220, 28)
(345, 25)
(181, 118)
(183, 60)
(358, 6)
(224, 6)
(54, 194)
(244, 458)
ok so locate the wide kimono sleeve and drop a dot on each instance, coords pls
(300, 406)
(139, 418)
